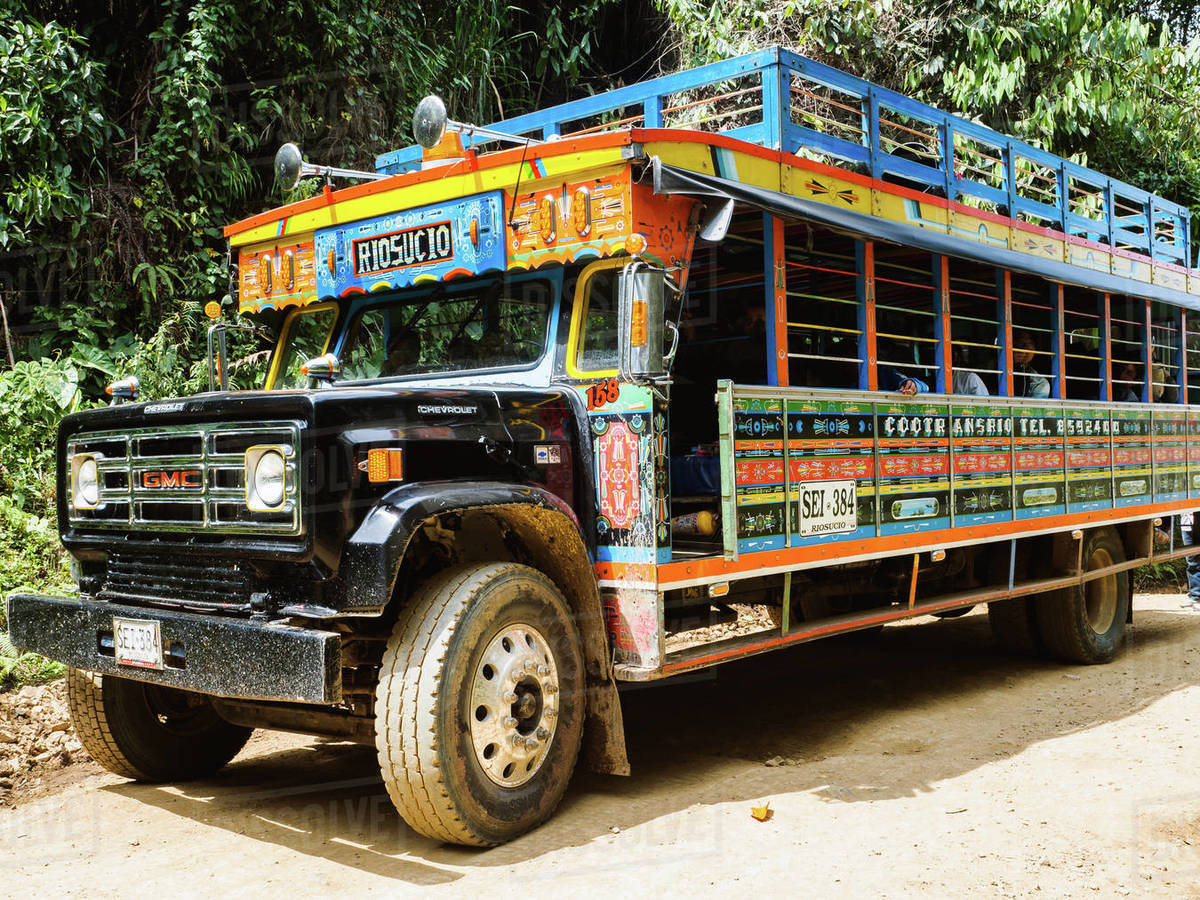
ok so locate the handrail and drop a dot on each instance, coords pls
(1124, 215)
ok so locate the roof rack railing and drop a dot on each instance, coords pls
(779, 99)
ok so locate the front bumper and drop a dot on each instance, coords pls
(222, 656)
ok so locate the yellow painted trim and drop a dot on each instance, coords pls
(595, 163)
(286, 331)
(579, 314)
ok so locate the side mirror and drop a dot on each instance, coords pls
(641, 319)
(218, 374)
(322, 368)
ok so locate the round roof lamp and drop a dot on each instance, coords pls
(429, 121)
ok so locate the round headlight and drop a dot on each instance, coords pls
(87, 483)
(270, 478)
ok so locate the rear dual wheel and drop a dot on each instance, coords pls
(479, 709)
(1084, 623)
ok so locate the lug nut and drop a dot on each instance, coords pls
(551, 687)
(542, 734)
(543, 670)
(531, 665)
(509, 697)
(531, 743)
(550, 712)
(517, 741)
(509, 721)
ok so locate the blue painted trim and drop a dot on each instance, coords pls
(776, 67)
(1058, 368)
(860, 292)
(1001, 338)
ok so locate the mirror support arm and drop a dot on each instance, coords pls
(218, 374)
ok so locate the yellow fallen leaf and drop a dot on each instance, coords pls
(762, 813)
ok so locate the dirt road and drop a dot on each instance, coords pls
(922, 762)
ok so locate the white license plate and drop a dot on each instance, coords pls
(828, 507)
(137, 643)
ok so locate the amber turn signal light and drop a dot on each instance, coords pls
(385, 464)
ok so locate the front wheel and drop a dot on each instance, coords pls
(1086, 624)
(148, 732)
(479, 709)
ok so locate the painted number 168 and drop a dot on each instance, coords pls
(602, 394)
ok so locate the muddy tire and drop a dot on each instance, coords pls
(479, 709)
(147, 732)
(1086, 624)
(1014, 626)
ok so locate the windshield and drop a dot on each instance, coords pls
(488, 323)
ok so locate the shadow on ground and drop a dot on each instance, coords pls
(853, 720)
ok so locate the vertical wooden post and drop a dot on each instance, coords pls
(775, 300)
(864, 285)
(1105, 329)
(941, 324)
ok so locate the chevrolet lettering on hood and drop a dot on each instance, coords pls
(446, 409)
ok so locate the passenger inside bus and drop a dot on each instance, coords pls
(966, 381)
(1127, 384)
(891, 378)
(1027, 381)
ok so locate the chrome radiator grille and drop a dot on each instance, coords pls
(186, 478)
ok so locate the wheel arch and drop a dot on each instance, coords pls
(476, 521)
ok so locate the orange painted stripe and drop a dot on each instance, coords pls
(717, 567)
(472, 163)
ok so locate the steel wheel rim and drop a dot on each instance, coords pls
(514, 705)
(1100, 594)
(179, 713)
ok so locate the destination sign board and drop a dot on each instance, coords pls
(423, 244)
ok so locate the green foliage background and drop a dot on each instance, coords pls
(132, 131)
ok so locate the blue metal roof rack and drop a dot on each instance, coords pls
(805, 107)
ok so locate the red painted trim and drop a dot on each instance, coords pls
(869, 314)
(947, 356)
(1148, 355)
(782, 362)
(1008, 333)
(1091, 245)
(1061, 340)
(469, 163)
(716, 567)
(646, 135)
(1129, 254)
(1106, 394)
